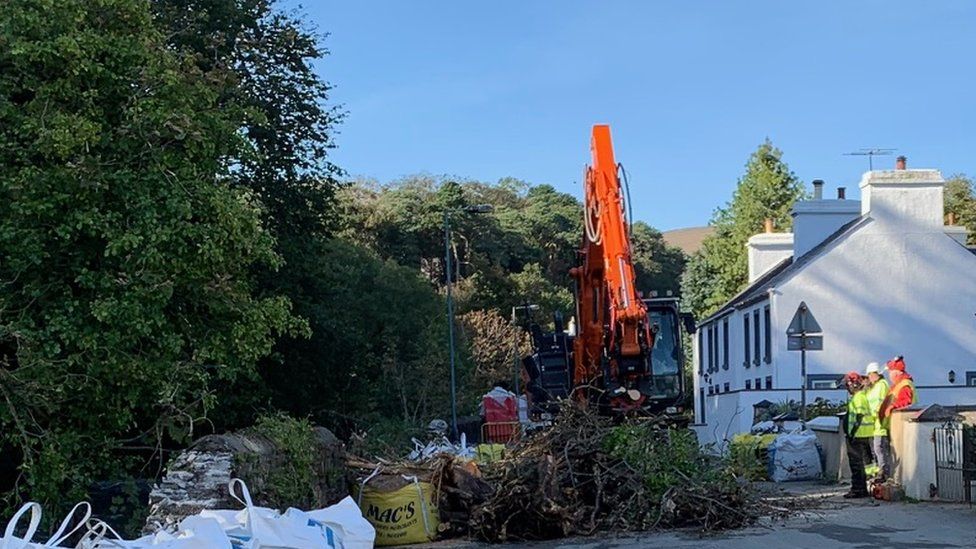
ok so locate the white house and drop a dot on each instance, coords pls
(882, 276)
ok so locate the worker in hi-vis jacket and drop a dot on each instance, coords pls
(877, 390)
(859, 428)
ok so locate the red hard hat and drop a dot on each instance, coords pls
(896, 364)
(852, 377)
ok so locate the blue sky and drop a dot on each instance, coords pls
(510, 88)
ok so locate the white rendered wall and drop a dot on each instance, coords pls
(730, 414)
(882, 292)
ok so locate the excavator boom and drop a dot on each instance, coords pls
(604, 197)
(614, 339)
(611, 358)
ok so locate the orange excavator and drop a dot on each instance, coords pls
(626, 354)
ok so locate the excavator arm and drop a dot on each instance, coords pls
(614, 339)
(610, 357)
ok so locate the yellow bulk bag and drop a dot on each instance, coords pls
(402, 509)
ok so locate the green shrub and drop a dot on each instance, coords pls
(663, 457)
(747, 456)
(291, 481)
(387, 438)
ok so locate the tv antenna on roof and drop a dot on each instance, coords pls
(871, 153)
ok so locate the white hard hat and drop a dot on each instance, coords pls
(873, 368)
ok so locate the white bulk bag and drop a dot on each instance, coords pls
(262, 528)
(10, 541)
(795, 456)
(346, 520)
(194, 533)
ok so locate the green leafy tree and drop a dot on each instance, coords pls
(532, 286)
(380, 344)
(128, 256)
(697, 284)
(404, 222)
(767, 190)
(549, 224)
(961, 203)
(522, 252)
(262, 57)
(657, 265)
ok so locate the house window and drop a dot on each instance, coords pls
(971, 379)
(701, 399)
(711, 340)
(714, 342)
(711, 355)
(701, 354)
(756, 335)
(824, 381)
(718, 359)
(725, 344)
(748, 384)
(726, 386)
(769, 382)
(745, 339)
(758, 383)
(708, 349)
(768, 340)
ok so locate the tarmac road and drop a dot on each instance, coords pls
(835, 522)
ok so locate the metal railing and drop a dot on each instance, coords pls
(501, 432)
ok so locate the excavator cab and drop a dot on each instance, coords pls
(549, 368)
(664, 384)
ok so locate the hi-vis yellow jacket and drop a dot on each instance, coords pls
(876, 395)
(860, 424)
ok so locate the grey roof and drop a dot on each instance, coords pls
(758, 290)
(935, 412)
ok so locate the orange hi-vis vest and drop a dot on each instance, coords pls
(898, 398)
(901, 385)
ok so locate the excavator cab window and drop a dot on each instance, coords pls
(666, 355)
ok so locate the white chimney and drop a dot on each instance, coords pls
(958, 233)
(905, 197)
(766, 250)
(815, 220)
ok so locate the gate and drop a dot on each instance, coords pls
(955, 461)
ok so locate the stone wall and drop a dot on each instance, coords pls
(197, 478)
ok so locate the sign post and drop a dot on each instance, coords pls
(804, 334)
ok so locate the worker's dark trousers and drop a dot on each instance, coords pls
(858, 452)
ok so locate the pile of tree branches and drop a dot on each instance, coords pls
(586, 473)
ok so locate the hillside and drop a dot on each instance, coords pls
(689, 239)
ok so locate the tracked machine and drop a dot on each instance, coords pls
(625, 353)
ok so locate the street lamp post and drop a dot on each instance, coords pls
(526, 307)
(481, 208)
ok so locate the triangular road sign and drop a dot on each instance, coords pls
(803, 322)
